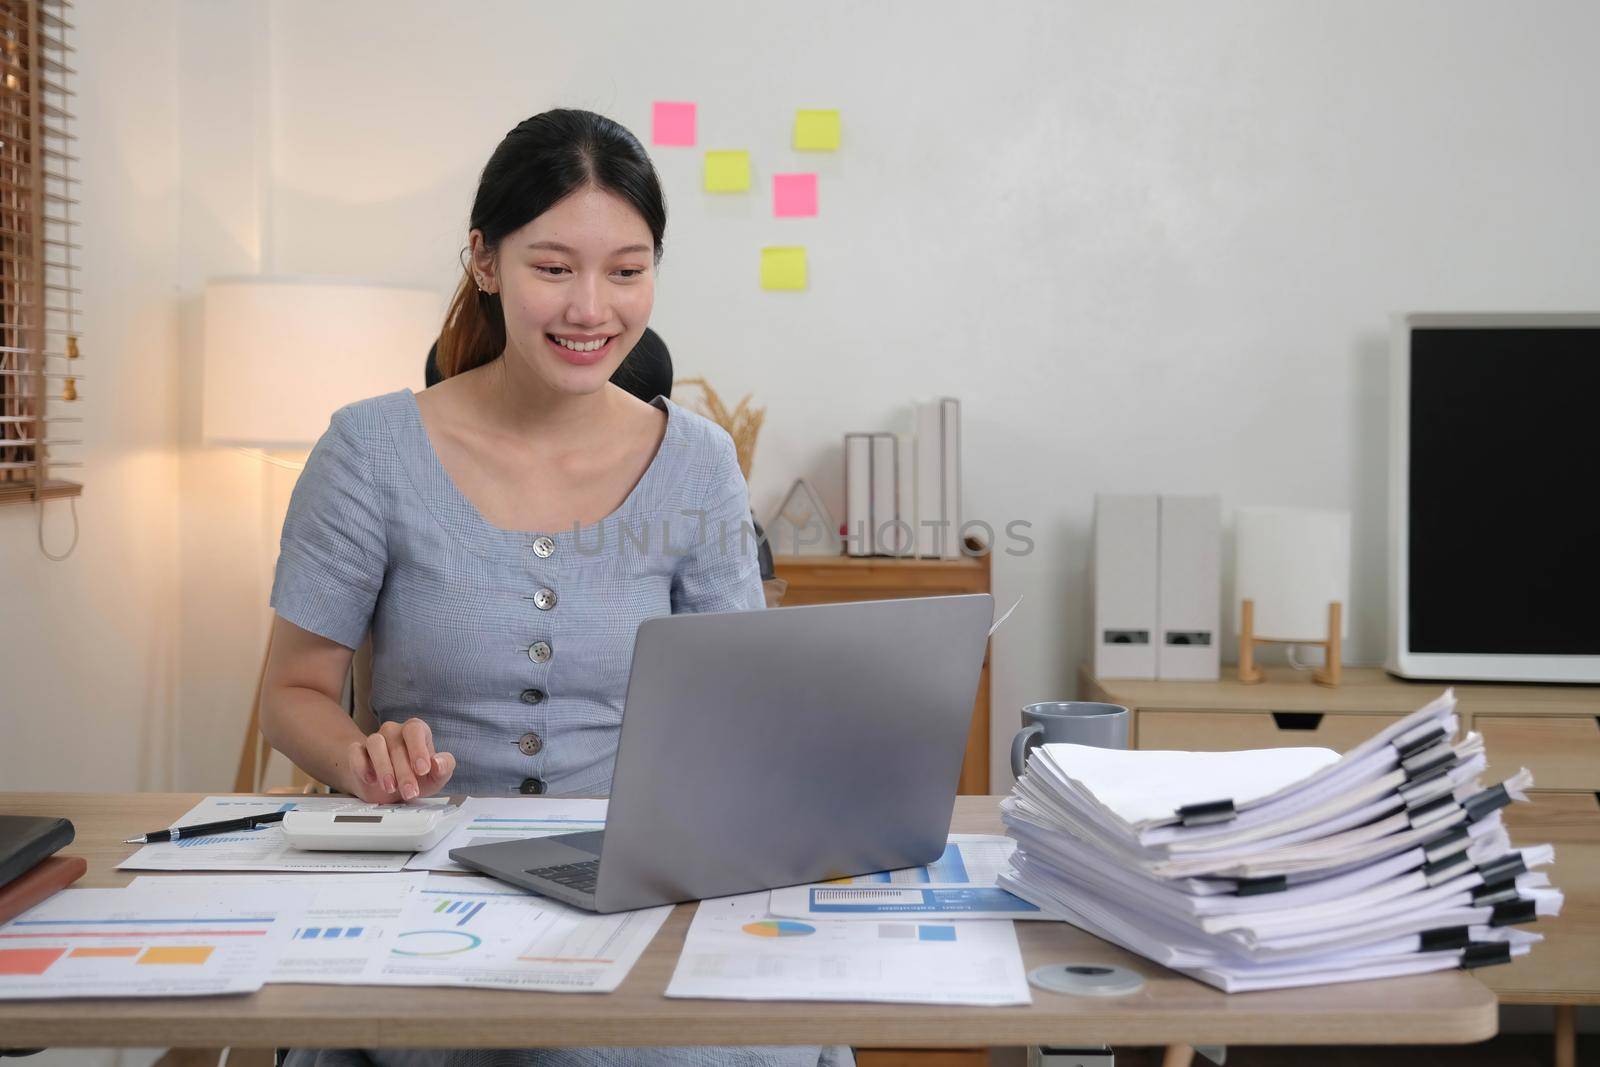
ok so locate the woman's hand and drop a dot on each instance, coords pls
(398, 763)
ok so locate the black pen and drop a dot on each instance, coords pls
(248, 822)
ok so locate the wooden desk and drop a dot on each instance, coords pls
(1552, 730)
(1452, 1007)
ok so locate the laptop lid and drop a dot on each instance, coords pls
(790, 745)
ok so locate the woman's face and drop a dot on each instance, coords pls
(576, 285)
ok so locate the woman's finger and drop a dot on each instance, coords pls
(405, 776)
(443, 766)
(377, 747)
(419, 746)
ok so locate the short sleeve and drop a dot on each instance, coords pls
(720, 571)
(332, 556)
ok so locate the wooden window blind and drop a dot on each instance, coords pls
(39, 247)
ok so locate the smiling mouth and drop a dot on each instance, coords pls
(580, 346)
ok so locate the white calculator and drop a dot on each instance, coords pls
(370, 827)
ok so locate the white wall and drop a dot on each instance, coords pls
(1150, 246)
(88, 650)
(230, 503)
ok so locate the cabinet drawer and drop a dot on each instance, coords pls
(1562, 752)
(1220, 731)
(1563, 966)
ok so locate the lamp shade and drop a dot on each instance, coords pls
(1292, 562)
(283, 354)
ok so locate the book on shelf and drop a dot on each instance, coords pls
(903, 488)
(858, 539)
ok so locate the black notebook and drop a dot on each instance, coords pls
(27, 839)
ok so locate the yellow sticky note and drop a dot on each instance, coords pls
(783, 268)
(727, 172)
(816, 131)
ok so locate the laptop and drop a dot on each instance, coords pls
(770, 748)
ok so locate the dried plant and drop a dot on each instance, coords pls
(743, 423)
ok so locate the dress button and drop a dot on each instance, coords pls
(532, 696)
(544, 599)
(540, 652)
(530, 743)
(532, 786)
(543, 546)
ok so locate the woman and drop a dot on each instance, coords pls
(503, 534)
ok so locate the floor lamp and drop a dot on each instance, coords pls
(281, 356)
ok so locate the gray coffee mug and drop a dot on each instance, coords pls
(1073, 722)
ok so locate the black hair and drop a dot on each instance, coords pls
(542, 161)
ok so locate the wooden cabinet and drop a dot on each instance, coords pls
(1563, 752)
(1221, 731)
(836, 579)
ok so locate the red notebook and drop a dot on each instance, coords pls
(41, 882)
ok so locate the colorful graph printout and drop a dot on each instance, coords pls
(348, 919)
(486, 820)
(474, 931)
(154, 942)
(911, 962)
(960, 884)
(778, 928)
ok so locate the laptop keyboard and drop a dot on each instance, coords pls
(579, 876)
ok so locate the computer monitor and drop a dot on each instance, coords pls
(1494, 541)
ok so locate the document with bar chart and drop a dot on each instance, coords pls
(160, 942)
(468, 930)
(736, 950)
(262, 849)
(348, 921)
(958, 885)
(487, 820)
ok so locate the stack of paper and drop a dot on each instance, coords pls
(1284, 867)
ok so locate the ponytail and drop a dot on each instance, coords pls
(474, 330)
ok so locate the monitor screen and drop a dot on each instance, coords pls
(1504, 540)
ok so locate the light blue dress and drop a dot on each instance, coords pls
(514, 646)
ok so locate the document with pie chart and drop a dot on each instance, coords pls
(737, 950)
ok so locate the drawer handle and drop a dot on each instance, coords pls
(1297, 720)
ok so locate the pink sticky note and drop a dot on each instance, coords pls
(794, 195)
(672, 124)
